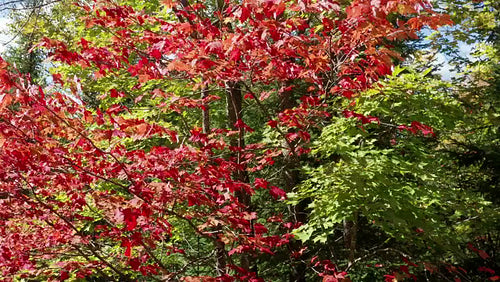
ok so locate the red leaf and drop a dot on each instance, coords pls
(390, 278)
(130, 218)
(277, 193)
(240, 124)
(483, 254)
(115, 94)
(115, 109)
(409, 262)
(486, 269)
(267, 251)
(84, 43)
(471, 247)
(272, 123)
(330, 278)
(248, 96)
(214, 47)
(235, 54)
(134, 263)
(128, 246)
(64, 275)
(156, 54)
(245, 14)
(57, 78)
(261, 183)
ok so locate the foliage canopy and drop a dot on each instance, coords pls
(244, 140)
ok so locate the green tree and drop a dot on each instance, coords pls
(382, 173)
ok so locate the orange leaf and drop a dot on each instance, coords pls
(6, 101)
(168, 3)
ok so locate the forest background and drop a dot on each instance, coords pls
(249, 140)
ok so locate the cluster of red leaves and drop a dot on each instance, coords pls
(458, 273)
(328, 271)
(52, 164)
(63, 167)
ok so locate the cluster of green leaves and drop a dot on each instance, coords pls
(406, 189)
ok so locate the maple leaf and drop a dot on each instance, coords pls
(245, 14)
(6, 101)
(64, 275)
(272, 123)
(128, 247)
(178, 66)
(235, 55)
(155, 54)
(483, 254)
(486, 269)
(277, 193)
(261, 183)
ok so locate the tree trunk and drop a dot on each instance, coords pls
(350, 237)
(220, 263)
(235, 113)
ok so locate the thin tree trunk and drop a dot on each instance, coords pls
(350, 237)
(235, 113)
(220, 263)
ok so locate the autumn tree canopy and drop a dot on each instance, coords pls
(239, 140)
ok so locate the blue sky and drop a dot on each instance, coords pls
(3, 38)
(446, 70)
